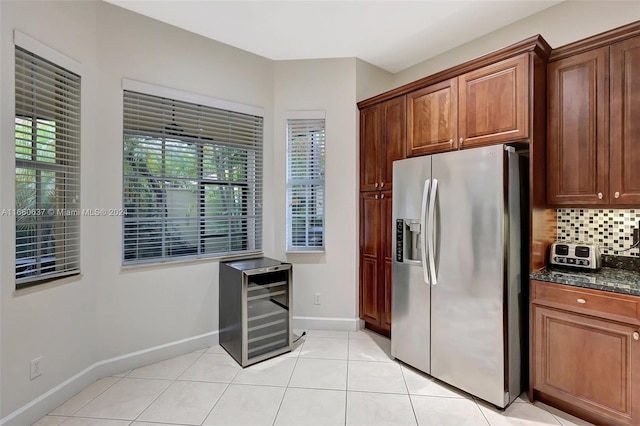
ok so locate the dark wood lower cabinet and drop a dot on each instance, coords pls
(376, 236)
(387, 264)
(585, 364)
(369, 256)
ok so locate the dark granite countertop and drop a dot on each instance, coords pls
(606, 279)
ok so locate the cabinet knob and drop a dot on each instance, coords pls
(376, 196)
(382, 196)
(636, 336)
(461, 141)
(450, 141)
(600, 195)
(617, 194)
(581, 301)
(381, 184)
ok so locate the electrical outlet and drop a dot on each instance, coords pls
(36, 367)
(316, 298)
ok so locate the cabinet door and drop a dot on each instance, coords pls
(370, 240)
(370, 144)
(577, 139)
(624, 171)
(395, 138)
(586, 362)
(494, 103)
(387, 261)
(432, 119)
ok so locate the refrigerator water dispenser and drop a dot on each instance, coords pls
(408, 240)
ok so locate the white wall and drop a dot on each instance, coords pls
(564, 23)
(160, 304)
(371, 80)
(2, 253)
(108, 311)
(329, 85)
(55, 321)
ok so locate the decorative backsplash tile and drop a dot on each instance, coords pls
(611, 229)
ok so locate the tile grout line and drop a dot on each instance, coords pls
(486, 419)
(172, 381)
(404, 379)
(92, 399)
(217, 400)
(288, 382)
(286, 387)
(221, 394)
(544, 406)
(346, 379)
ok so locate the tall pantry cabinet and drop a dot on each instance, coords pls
(382, 141)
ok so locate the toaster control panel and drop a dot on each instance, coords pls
(580, 255)
(571, 261)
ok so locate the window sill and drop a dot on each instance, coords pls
(45, 285)
(185, 262)
(305, 252)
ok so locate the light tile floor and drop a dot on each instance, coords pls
(331, 378)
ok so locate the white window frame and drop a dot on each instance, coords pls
(253, 188)
(317, 183)
(65, 217)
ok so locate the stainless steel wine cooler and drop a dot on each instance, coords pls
(255, 308)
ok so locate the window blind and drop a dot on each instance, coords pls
(47, 154)
(192, 180)
(305, 184)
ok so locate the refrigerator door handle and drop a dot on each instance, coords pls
(423, 231)
(432, 232)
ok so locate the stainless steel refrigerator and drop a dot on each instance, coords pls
(457, 269)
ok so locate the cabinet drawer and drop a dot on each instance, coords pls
(603, 304)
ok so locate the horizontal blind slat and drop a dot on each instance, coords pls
(47, 144)
(192, 180)
(305, 184)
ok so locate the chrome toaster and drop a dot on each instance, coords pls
(575, 255)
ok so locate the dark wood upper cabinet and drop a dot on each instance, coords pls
(432, 119)
(625, 122)
(593, 149)
(578, 131)
(494, 103)
(486, 106)
(382, 141)
(395, 138)
(370, 146)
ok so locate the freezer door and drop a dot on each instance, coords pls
(467, 329)
(410, 339)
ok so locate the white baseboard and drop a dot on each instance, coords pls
(322, 323)
(47, 402)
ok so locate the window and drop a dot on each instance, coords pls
(47, 154)
(192, 180)
(305, 184)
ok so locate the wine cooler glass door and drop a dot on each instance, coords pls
(268, 316)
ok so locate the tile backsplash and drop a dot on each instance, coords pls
(611, 229)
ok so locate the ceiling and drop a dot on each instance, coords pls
(393, 35)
